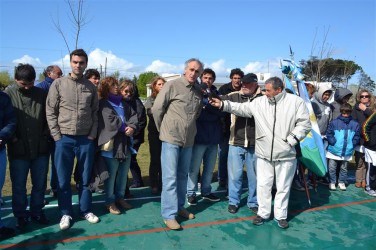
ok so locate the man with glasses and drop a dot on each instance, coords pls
(72, 106)
(28, 150)
(236, 75)
(51, 73)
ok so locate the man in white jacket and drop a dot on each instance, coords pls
(282, 120)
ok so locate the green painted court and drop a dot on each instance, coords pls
(336, 220)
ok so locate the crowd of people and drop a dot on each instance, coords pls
(92, 128)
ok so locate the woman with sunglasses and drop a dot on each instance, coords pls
(364, 107)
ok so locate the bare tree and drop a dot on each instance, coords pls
(324, 52)
(78, 19)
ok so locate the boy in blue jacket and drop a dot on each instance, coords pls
(343, 135)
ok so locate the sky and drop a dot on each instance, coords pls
(150, 35)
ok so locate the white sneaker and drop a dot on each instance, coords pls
(342, 186)
(65, 222)
(92, 218)
(370, 192)
(332, 186)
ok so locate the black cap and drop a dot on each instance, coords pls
(248, 78)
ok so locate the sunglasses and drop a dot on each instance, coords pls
(364, 96)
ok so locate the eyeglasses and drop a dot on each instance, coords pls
(364, 96)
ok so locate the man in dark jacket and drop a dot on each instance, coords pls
(209, 135)
(51, 73)
(242, 147)
(236, 75)
(7, 128)
(28, 150)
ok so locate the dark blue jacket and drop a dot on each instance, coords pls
(343, 135)
(46, 84)
(209, 126)
(7, 119)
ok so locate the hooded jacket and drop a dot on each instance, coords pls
(343, 135)
(322, 110)
(281, 122)
(339, 94)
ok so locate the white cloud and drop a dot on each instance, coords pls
(30, 60)
(218, 67)
(160, 67)
(271, 66)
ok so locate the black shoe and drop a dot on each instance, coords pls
(254, 210)
(41, 219)
(282, 223)
(222, 183)
(6, 232)
(22, 222)
(232, 209)
(191, 200)
(258, 221)
(211, 197)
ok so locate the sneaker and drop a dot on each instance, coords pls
(92, 218)
(6, 232)
(191, 200)
(112, 208)
(53, 193)
(123, 204)
(41, 219)
(332, 186)
(254, 210)
(186, 214)
(22, 222)
(258, 221)
(172, 224)
(342, 186)
(232, 209)
(65, 222)
(282, 223)
(370, 192)
(211, 197)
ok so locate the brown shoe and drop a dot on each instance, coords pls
(186, 214)
(363, 184)
(112, 208)
(172, 224)
(123, 204)
(358, 184)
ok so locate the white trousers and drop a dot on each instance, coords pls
(284, 173)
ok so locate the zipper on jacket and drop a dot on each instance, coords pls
(275, 118)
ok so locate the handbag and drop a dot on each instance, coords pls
(108, 146)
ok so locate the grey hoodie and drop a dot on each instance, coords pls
(322, 110)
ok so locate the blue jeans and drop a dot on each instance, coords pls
(206, 153)
(67, 148)
(223, 158)
(237, 157)
(3, 167)
(19, 170)
(175, 162)
(116, 183)
(333, 171)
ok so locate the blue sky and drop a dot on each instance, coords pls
(138, 36)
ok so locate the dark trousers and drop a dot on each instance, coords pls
(135, 168)
(155, 170)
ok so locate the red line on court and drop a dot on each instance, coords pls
(155, 230)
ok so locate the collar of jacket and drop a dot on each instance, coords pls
(277, 98)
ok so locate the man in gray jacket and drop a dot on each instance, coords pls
(282, 120)
(72, 106)
(175, 111)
